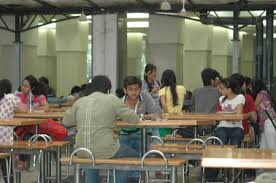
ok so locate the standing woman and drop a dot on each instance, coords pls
(32, 94)
(152, 86)
(171, 96)
(264, 103)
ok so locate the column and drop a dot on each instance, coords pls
(71, 53)
(105, 47)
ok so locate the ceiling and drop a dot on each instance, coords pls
(27, 7)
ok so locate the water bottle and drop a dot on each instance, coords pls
(30, 101)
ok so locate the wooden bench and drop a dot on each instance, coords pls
(144, 164)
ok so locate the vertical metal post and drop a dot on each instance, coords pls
(77, 173)
(269, 48)
(259, 49)
(18, 50)
(173, 175)
(58, 166)
(235, 55)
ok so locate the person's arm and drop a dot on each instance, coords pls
(123, 111)
(21, 107)
(252, 116)
(163, 104)
(239, 109)
(69, 118)
(43, 104)
(257, 101)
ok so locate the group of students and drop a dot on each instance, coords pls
(95, 110)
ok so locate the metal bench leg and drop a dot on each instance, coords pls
(114, 176)
(77, 173)
(48, 167)
(8, 169)
(173, 175)
(203, 176)
(147, 177)
(42, 167)
(58, 166)
(183, 174)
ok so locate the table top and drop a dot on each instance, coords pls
(203, 116)
(184, 148)
(36, 145)
(239, 158)
(127, 161)
(163, 123)
(4, 155)
(40, 115)
(22, 122)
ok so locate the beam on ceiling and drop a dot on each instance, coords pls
(92, 3)
(44, 3)
(134, 8)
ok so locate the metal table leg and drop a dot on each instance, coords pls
(173, 175)
(77, 173)
(48, 167)
(195, 132)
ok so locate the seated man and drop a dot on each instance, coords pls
(142, 104)
(94, 115)
(204, 100)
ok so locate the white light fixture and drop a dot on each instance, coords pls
(141, 24)
(183, 10)
(137, 15)
(82, 17)
(165, 5)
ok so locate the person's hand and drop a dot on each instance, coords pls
(155, 89)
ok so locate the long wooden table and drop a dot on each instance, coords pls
(238, 158)
(160, 123)
(21, 122)
(36, 148)
(203, 116)
(40, 115)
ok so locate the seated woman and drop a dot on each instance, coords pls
(9, 103)
(171, 97)
(32, 94)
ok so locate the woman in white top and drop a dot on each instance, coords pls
(231, 101)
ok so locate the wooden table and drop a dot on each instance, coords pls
(160, 123)
(38, 147)
(22, 122)
(238, 158)
(203, 116)
(40, 115)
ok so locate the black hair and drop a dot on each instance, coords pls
(75, 89)
(258, 86)
(44, 80)
(37, 87)
(120, 92)
(132, 80)
(168, 79)
(209, 74)
(232, 84)
(5, 87)
(149, 68)
(248, 81)
(239, 78)
(100, 83)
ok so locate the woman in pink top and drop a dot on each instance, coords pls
(33, 89)
(264, 103)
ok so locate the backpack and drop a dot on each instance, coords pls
(52, 128)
